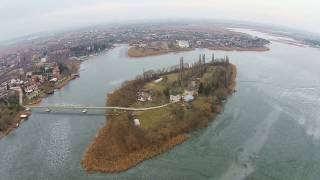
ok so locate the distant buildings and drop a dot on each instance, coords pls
(183, 44)
(56, 72)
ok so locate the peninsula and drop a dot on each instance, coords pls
(194, 93)
(166, 39)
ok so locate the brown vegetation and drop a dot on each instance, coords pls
(120, 146)
(10, 112)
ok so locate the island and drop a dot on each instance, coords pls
(174, 38)
(158, 48)
(183, 98)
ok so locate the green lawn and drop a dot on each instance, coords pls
(160, 87)
(172, 77)
(152, 118)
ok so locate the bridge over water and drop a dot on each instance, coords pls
(48, 108)
(61, 107)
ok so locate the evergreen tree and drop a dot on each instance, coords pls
(200, 90)
(207, 89)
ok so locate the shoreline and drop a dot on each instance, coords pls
(59, 87)
(138, 156)
(16, 120)
(134, 52)
(94, 161)
(261, 49)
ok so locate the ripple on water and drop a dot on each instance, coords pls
(303, 105)
(57, 146)
(247, 152)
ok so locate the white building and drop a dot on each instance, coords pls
(183, 44)
(136, 122)
(142, 45)
(43, 60)
(53, 80)
(175, 98)
(158, 80)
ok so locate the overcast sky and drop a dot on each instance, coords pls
(22, 17)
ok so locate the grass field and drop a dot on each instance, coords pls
(152, 118)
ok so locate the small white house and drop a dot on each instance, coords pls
(158, 80)
(53, 80)
(136, 122)
(141, 99)
(175, 98)
(142, 45)
(183, 44)
(29, 74)
(43, 60)
(23, 116)
(144, 96)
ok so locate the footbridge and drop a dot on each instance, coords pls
(85, 108)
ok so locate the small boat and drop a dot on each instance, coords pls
(16, 125)
(50, 92)
(84, 111)
(23, 116)
(47, 110)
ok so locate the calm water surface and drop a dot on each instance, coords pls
(270, 129)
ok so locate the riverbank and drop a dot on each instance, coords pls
(15, 123)
(143, 52)
(12, 124)
(38, 100)
(58, 85)
(260, 49)
(121, 145)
